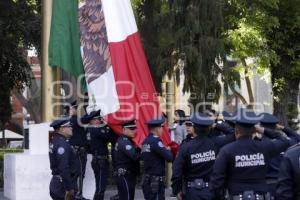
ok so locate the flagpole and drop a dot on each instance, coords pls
(170, 110)
(49, 74)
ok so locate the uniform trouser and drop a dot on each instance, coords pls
(57, 188)
(100, 168)
(82, 160)
(126, 186)
(197, 193)
(272, 189)
(153, 189)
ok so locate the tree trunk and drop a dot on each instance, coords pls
(249, 86)
(284, 94)
(33, 104)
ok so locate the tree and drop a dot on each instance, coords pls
(269, 37)
(156, 22)
(184, 30)
(244, 35)
(19, 30)
(284, 40)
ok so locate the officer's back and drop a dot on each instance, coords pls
(195, 160)
(288, 187)
(242, 165)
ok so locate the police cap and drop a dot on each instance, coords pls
(93, 115)
(246, 117)
(229, 116)
(74, 104)
(267, 118)
(201, 119)
(62, 122)
(156, 122)
(129, 124)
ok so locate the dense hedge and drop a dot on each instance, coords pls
(2, 152)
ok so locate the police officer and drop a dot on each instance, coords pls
(288, 187)
(98, 136)
(63, 162)
(242, 165)
(190, 131)
(195, 160)
(270, 123)
(221, 126)
(79, 143)
(229, 118)
(154, 155)
(126, 162)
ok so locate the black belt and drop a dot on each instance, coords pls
(160, 178)
(197, 183)
(104, 157)
(121, 172)
(250, 195)
(78, 148)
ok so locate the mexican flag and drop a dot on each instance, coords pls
(114, 64)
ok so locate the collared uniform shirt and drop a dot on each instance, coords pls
(63, 160)
(98, 138)
(79, 134)
(288, 187)
(126, 156)
(196, 158)
(243, 164)
(154, 155)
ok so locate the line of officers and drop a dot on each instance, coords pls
(237, 159)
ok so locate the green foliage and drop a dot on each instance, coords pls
(244, 37)
(155, 23)
(292, 114)
(198, 27)
(203, 33)
(19, 31)
(284, 38)
(183, 30)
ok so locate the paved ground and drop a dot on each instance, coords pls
(109, 193)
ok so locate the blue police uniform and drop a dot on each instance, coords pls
(288, 187)
(79, 142)
(229, 118)
(126, 166)
(154, 154)
(269, 121)
(186, 140)
(241, 166)
(98, 138)
(63, 163)
(194, 162)
(188, 136)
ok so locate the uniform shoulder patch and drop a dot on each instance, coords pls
(51, 148)
(60, 150)
(128, 147)
(160, 144)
